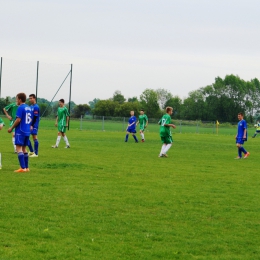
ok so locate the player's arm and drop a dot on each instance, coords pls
(67, 120)
(146, 123)
(7, 115)
(244, 136)
(15, 124)
(137, 122)
(56, 122)
(170, 125)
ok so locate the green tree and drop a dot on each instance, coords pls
(105, 108)
(149, 102)
(118, 97)
(93, 103)
(176, 103)
(163, 96)
(80, 110)
(123, 110)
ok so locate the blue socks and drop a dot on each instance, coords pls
(26, 160)
(36, 146)
(21, 160)
(30, 146)
(243, 149)
(135, 138)
(126, 137)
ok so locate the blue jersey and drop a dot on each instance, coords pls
(25, 114)
(241, 126)
(130, 121)
(35, 115)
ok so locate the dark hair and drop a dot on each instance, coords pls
(32, 95)
(141, 110)
(240, 113)
(21, 96)
(62, 100)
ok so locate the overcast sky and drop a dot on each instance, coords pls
(126, 45)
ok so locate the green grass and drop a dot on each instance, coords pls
(107, 199)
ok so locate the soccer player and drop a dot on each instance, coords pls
(241, 136)
(131, 127)
(143, 121)
(62, 121)
(12, 108)
(22, 126)
(34, 126)
(257, 131)
(165, 132)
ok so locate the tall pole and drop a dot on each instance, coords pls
(1, 76)
(37, 74)
(70, 91)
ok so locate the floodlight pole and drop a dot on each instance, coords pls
(70, 92)
(1, 75)
(37, 74)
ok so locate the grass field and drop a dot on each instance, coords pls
(107, 199)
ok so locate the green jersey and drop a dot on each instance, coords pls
(62, 114)
(12, 108)
(165, 130)
(1, 121)
(143, 119)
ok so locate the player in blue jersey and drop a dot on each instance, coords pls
(34, 126)
(241, 136)
(22, 126)
(131, 127)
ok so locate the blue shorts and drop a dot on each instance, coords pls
(34, 131)
(21, 140)
(132, 131)
(240, 141)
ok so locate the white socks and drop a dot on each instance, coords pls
(162, 150)
(13, 140)
(66, 140)
(142, 135)
(168, 146)
(58, 141)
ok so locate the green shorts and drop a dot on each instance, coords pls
(142, 128)
(166, 139)
(62, 128)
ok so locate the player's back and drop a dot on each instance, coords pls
(25, 114)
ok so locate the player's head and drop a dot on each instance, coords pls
(132, 112)
(20, 98)
(32, 98)
(169, 110)
(61, 102)
(141, 111)
(240, 116)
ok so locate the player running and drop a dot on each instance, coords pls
(165, 132)
(62, 121)
(257, 131)
(241, 136)
(131, 127)
(34, 126)
(143, 121)
(10, 112)
(22, 126)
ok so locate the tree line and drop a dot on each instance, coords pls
(221, 101)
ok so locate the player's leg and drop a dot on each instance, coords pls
(57, 140)
(65, 138)
(163, 146)
(36, 143)
(239, 151)
(126, 136)
(19, 141)
(13, 141)
(30, 147)
(26, 156)
(142, 134)
(133, 134)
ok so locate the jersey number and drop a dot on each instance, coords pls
(28, 119)
(163, 122)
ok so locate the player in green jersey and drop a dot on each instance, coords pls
(62, 121)
(10, 112)
(257, 131)
(143, 121)
(165, 132)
